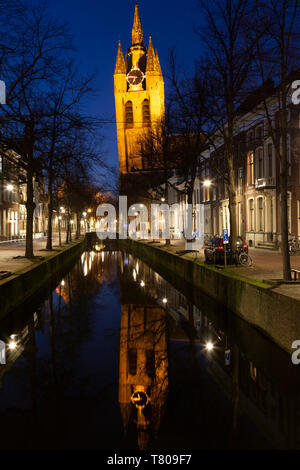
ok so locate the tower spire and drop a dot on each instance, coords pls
(120, 62)
(151, 59)
(137, 32)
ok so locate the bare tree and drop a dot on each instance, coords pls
(60, 116)
(230, 42)
(29, 63)
(278, 58)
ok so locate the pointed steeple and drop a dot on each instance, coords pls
(157, 65)
(120, 62)
(137, 32)
(151, 59)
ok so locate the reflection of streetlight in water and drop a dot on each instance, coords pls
(12, 345)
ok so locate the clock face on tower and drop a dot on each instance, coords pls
(135, 76)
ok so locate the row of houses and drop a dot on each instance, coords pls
(13, 198)
(257, 178)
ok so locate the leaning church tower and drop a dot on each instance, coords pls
(139, 96)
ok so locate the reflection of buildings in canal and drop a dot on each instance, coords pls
(94, 269)
(15, 345)
(270, 402)
(143, 375)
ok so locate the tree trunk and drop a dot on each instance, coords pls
(30, 205)
(190, 201)
(50, 212)
(232, 206)
(286, 264)
(68, 227)
(78, 225)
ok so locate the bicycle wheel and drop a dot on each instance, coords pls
(245, 259)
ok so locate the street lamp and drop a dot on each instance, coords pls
(209, 346)
(9, 187)
(207, 183)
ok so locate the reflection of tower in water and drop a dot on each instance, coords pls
(143, 376)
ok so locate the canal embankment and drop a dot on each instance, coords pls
(276, 315)
(32, 275)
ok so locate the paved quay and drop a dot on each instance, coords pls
(9, 251)
(267, 266)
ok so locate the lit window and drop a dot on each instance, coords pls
(251, 169)
(260, 162)
(251, 215)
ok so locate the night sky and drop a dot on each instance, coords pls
(97, 26)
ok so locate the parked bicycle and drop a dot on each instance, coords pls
(245, 259)
(294, 246)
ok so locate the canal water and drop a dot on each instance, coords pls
(115, 356)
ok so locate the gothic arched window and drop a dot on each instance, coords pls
(146, 113)
(129, 114)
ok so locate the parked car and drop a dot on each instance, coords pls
(214, 249)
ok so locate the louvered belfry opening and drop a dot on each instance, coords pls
(129, 114)
(146, 113)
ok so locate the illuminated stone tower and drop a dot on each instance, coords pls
(139, 96)
(143, 374)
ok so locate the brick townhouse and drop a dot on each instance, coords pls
(257, 174)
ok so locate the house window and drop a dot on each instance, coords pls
(251, 169)
(260, 204)
(250, 137)
(270, 160)
(129, 114)
(146, 113)
(240, 181)
(260, 163)
(259, 131)
(253, 372)
(251, 215)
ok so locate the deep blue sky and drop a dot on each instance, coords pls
(97, 25)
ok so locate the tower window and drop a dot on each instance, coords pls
(129, 114)
(146, 113)
(132, 361)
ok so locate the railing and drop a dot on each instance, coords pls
(268, 182)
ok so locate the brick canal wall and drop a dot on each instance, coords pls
(274, 314)
(25, 283)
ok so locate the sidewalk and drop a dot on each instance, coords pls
(267, 266)
(8, 251)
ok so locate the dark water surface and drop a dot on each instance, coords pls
(114, 357)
